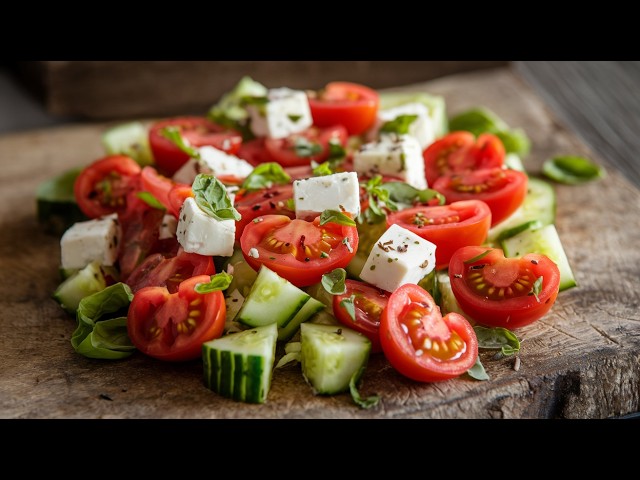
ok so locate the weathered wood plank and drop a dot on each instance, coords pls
(582, 360)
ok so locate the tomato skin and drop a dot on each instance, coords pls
(198, 131)
(514, 312)
(350, 104)
(460, 152)
(505, 190)
(269, 201)
(121, 173)
(282, 150)
(255, 152)
(176, 197)
(402, 354)
(289, 260)
(156, 184)
(369, 304)
(177, 339)
(470, 228)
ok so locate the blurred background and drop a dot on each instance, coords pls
(600, 101)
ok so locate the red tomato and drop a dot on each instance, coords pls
(255, 152)
(299, 172)
(369, 302)
(102, 187)
(350, 104)
(283, 150)
(177, 195)
(420, 343)
(498, 291)
(460, 152)
(173, 326)
(156, 184)
(298, 250)
(198, 131)
(449, 227)
(502, 190)
(270, 201)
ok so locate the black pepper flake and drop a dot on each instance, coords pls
(424, 264)
(302, 238)
(104, 396)
(478, 267)
(535, 262)
(234, 300)
(255, 207)
(115, 240)
(307, 259)
(184, 217)
(402, 248)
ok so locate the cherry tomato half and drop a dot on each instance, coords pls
(296, 150)
(269, 201)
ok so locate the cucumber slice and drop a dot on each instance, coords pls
(368, 235)
(547, 242)
(330, 356)
(435, 104)
(430, 283)
(448, 302)
(309, 309)
(131, 139)
(56, 203)
(81, 284)
(324, 318)
(243, 274)
(239, 365)
(272, 299)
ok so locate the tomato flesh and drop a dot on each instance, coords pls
(271, 201)
(285, 153)
(342, 103)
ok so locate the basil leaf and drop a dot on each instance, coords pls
(334, 281)
(304, 148)
(477, 257)
(497, 338)
(401, 192)
(173, 135)
(537, 288)
(335, 216)
(572, 170)
(477, 120)
(212, 197)
(368, 402)
(478, 372)
(399, 125)
(379, 198)
(219, 281)
(149, 199)
(322, 170)
(98, 335)
(266, 175)
(336, 150)
(515, 141)
(253, 100)
(349, 306)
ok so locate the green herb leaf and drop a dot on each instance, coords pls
(336, 150)
(477, 120)
(399, 125)
(254, 100)
(149, 199)
(212, 197)
(572, 170)
(349, 306)
(478, 372)
(515, 141)
(304, 148)
(323, 169)
(537, 288)
(294, 118)
(266, 175)
(334, 281)
(290, 204)
(368, 402)
(497, 338)
(173, 135)
(219, 281)
(477, 257)
(334, 216)
(379, 199)
(405, 194)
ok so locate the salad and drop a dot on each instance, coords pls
(310, 227)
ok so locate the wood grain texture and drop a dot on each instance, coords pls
(581, 361)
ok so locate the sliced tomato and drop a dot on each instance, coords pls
(500, 292)
(255, 152)
(156, 184)
(198, 131)
(342, 103)
(103, 187)
(173, 326)
(501, 189)
(300, 172)
(368, 302)
(298, 250)
(177, 195)
(288, 151)
(269, 201)
(420, 343)
(460, 152)
(449, 227)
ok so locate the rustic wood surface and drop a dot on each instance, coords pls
(581, 361)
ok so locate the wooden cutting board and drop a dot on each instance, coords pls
(582, 360)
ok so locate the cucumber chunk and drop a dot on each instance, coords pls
(435, 104)
(56, 203)
(330, 356)
(81, 284)
(131, 139)
(309, 309)
(546, 242)
(239, 365)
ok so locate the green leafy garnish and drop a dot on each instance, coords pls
(149, 199)
(219, 281)
(497, 338)
(322, 170)
(334, 281)
(335, 216)
(515, 141)
(130, 139)
(349, 306)
(266, 175)
(337, 155)
(304, 148)
(477, 257)
(336, 150)
(478, 372)
(173, 135)
(537, 288)
(572, 170)
(368, 402)
(405, 194)
(254, 100)
(294, 118)
(212, 197)
(399, 125)
(379, 198)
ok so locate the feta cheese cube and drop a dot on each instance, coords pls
(199, 233)
(398, 257)
(340, 191)
(396, 155)
(168, 227)
(85, 242)
(286, 112)
(422, 128)
(215, 162)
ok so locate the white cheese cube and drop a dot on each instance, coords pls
(199, 233)
(286, 112)
(398, 257)
(85, 242)
(168, 227)
(215, 162)
(340, 191)
(397, 155)
(422, 128)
